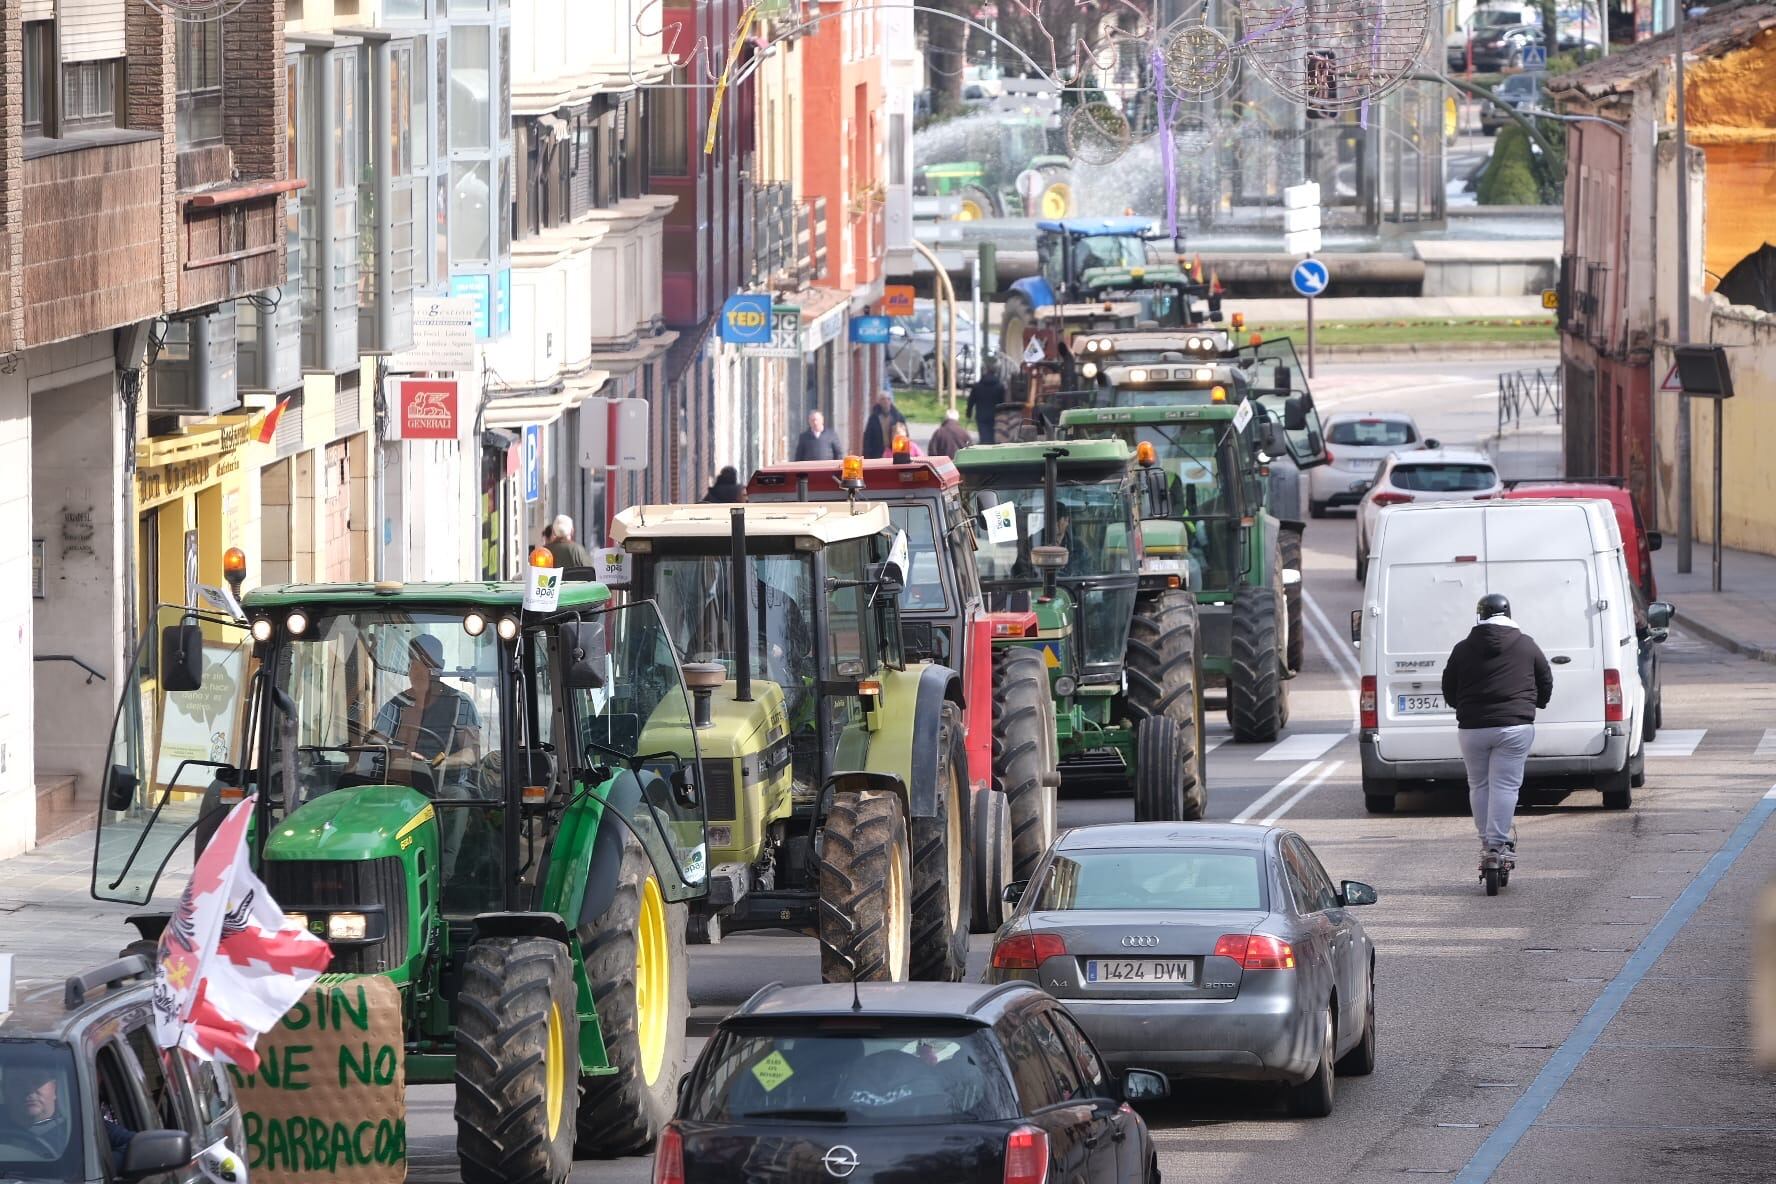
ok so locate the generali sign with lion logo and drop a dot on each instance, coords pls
(425, 409)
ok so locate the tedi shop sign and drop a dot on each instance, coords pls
(425, 409)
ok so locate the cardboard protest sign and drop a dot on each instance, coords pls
(329, 1097)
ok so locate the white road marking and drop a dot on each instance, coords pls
(1213, 743)
(1338, 650)
(1276, 791)
(1678, 742)
(1324, 775)
(1303, 746)
(1767, 746)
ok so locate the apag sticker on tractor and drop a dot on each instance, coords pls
(1001, 522)
(612, 565)
(542, 590)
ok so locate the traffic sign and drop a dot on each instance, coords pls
(1301, 218)
(533, 463)
(1297, 196)
(1535, 57)
(1310, 277)
(1551, 298)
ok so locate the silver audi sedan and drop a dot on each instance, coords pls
(1203, 950)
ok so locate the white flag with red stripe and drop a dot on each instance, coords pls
(231, 964)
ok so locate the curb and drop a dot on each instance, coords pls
(1715, 637)
(1514, 350)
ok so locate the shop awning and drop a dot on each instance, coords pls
(519, 411)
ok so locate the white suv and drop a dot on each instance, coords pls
(1356, 444)
(1427, 475)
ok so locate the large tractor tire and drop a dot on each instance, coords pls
(1159, 773)
(1255, 689)
(1162, 667)
(517, 1054)
(942, 898)
(866, 881)
(1021, 769)
(640, 978)
(1055, 200)
(1289, 541)
(976, 204)
(990, 844)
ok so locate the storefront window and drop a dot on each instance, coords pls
(472, 237)
(470, 87)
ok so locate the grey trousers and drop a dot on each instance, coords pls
(1495, 758)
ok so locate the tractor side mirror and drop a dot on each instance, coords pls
(1275, 440)
(1654, 540)
(181, 657)
(1284, 379)
(1295, 413)
(582, 645)
(120, 788)
(1157, 484)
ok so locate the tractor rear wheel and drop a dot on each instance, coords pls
(517, 1052)
(1021, 768)
(1162, 667)
(990, 841)
(640, 978)
(1255, 688)
(942, 898)
(1159, 772)
(976, 204)
(865, 889)
(1290, 543)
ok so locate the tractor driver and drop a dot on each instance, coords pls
(433, 724)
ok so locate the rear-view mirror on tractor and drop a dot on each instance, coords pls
(181, 657)
(1295, 413)
(120, 788)
(583, 651)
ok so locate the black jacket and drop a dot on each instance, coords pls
(825, 446)
(1496, 677)
(984, 397)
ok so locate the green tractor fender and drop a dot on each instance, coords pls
(905, 746)
(1263, 547)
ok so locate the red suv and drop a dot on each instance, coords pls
(1638, 542)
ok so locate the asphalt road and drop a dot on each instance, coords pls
(1563, 1032)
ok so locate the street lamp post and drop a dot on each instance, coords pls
(1686, 508)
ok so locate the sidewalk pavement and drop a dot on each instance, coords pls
(1741, 617)
(1340, 309)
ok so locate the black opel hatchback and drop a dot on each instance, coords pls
(908, 1083)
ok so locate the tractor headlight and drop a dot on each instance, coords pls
(347, 927)
(508, 628)
(1090, 369)
(474, 624)
(1065, 686)
(262, 628)
(296, 623)
(300, 920)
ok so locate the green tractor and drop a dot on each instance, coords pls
(489, 793)
(1220, 439)
(1061, 536)
(836, 767)
(981, 159)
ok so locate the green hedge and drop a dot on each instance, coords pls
(1509, 179)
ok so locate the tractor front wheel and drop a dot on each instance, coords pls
(640, 979)
(942, 899)
(1255, 689)
(517, 1052)
(991, 841)
(865, 889)
(1289, 541)
(1162, 666)
(1023, 737)
(1159, 772)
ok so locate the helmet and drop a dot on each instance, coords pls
(1493, 604)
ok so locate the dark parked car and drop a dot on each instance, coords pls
(1521, 91)
(911, 1082)
(1203, 950)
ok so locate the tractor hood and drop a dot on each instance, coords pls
(364, 822)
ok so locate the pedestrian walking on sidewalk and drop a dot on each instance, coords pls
(818, 442)
(1497, 678)
(950, 437)
(558, 537)
(984, 398)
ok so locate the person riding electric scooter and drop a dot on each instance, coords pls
(1496, 678)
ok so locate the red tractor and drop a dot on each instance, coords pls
(1013, 757)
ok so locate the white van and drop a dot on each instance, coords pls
(1560, 564)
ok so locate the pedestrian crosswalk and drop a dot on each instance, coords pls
(1671, 744)
(1676, 742)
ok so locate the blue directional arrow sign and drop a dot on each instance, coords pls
(1310, 277)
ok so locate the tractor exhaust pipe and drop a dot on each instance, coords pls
(742, 608)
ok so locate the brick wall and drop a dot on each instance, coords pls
(12, 167)
(92, 230)
(152, 106)
(253, 88)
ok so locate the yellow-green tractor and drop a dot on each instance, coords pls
(835, 768)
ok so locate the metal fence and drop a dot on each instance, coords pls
(1529, 392)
